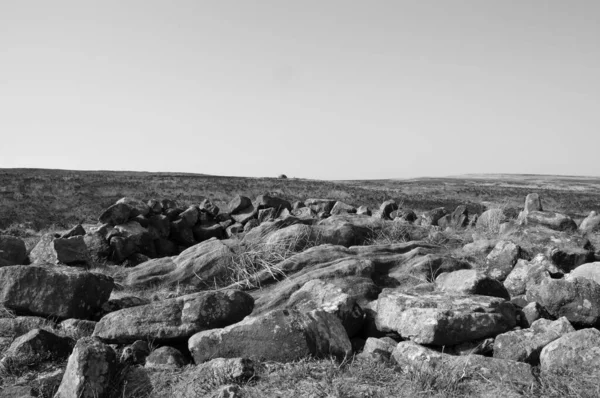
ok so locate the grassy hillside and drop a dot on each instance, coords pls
(64, 197)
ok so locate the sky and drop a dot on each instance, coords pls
(323, 89)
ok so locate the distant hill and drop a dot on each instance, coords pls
(44, 197)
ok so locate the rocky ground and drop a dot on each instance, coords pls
(263, 297)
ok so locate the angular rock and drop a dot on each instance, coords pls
(587, 271)
(208, 230)
(12, 251)
(118, 213)
(97, 246)
(190, 216)
(320, 205)
(363, 210)
(266, 201)
(239, 203)
(62, 292)
(533, 203)
(470, 281)
(90, 370)
(17, 326)
(552, 220)
(265, 215)
(525, 345)
(234, 230)
(244, 215)
(280, 335)
(206, 206)
(155, 206)
(138, 208)
(175, 319)
(166, 358)
(441, 318)
(578, 300)
(77, 328)
(181, 233)
(387, 207)
(342, 208)
(159, 226)
(75, 231)
(135, 353)
(69, 251)
(432, 216)
(378, 349)
(460, 217)
(490, 220)
(531, 313)
(577, 352)
(35, 347)
(569, 258)
(501, 260)
(526, 274)
(591, 223)
(138, 237)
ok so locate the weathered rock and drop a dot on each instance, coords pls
(569, 258)
(320, 205)
(470, 281)
(588, 271)
(421, 358)
(35, 347)
(533, 203)
(206, 231)
(166, 358)
(77, 328)
(137, 237)
(577, 352)
(591, 223)
(578, 300)
(17, 326)
(526, 274)
(280, 335)
(378, 349)
(138, 208)
(216, 372)
(317, 294)
(119, 303)
(173, 214)
(155, 206)
(244, 215)
(58, 291)
(342, 208)
(525, 345)
(121, 248)
(175, 319)
(97, 246)
(239, 203)
(234, 230)
(135, 353)
(387, 207)
(266, 201)
(478, 247)
(168, 204)
(206, 206)
(265, 215)
(181, 233)
(12, 251)
(190, 216)
(460, 217)
(89, 372)
(116, 214)
(363, 210)
(552, 220)
(159, 226)
(490, 220)
(77, 230)
(69, 251)
(501, 260)
(432, 216)
(441, 318)
(533, 312)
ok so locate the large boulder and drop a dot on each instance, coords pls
(68, 251)
(61, 292)
(490, 220)
(35, 347)
(387, 208)
(552, 220)
(591, 223)
(138, 237)
(239, 203)
(470, 281)
(97, 246)
(439, 318)
(578, 300)
(280, 335)
(525, 345)
(118, 213)
(533, 203)
(90, 371)
(175, 319)
(577, 352)
(138, 207)
(587, 271)
(12, 251)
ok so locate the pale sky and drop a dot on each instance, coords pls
(326, 89)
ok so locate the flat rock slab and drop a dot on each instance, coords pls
(525, 345)
(439, 318)
(174, 319)
(470, 281)
(280, 335)
(420, 358)
(53, 291)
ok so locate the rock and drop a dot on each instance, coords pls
(35, 347)
(137, 237)
(460, 217)
(18, 326)
(12, 251)
(266, 201)
(89, 372)
(420, 358)
(173, 214)
(239, 203)
(591, 223)
(501, 260)
(432, 216)
(320, 205)
(387, 207)
(441, 318)
(342, 208)
(159, 226)
(304, 213)
(77, 328)
(378, 349)
(155, 206)
(476, 347)
(61, 292)
(69, 251)
(589, 271)
(525, 345)
(490, 220)
(166, 358)
(470, 281)
(478, 247)
(181, 233)
(175, 319)
(569, 258)
(121, 248)
(116, 304)
(363, 210)
(576, 352)
(190, 216)
(533, 203)
(208, 207)
(218, 371)
(135, 353)
(206, 231)
(75, 231)
(578, 300)
(317, 294)
(244, 215)
(265, 215)
(168, 204)
(552, 220)
(532, 312)
(526, 274)
(280, 335)
(251, 224)
(97, 246)
(234, 230)
(116, 214)
(138, 208)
